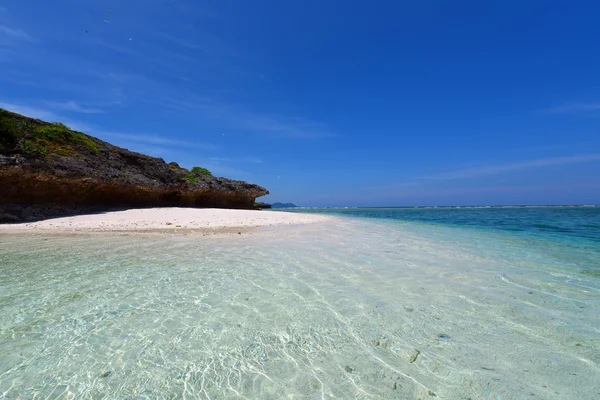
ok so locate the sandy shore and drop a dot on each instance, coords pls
(165, 220)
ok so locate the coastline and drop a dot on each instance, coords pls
(205, 221)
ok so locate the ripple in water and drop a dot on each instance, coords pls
(350, 309)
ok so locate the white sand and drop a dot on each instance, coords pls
(165, 219)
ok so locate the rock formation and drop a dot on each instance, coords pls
(48, 170)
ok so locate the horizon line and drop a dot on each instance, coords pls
(457, 206)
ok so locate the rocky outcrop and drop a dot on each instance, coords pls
(48, 170)
(261, 206)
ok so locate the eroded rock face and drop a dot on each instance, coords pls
(47, 170)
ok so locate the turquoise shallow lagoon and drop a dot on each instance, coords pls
(499, 303)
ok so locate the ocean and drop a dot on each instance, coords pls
(436, 303)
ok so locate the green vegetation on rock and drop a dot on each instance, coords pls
(36, 138)
(200, 170)
(63, 141)
(187, 177)
(183, 174)
(10, 133)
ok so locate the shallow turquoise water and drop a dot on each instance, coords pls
(569, 234)
(427, 305)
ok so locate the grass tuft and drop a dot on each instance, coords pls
(202, 171)
(37, 139)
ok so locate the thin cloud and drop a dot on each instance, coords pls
(151, 55)
(18, 78)
(235, 117)
(74, 107)
(46, 115)
(283, 126)
(222, 166)
(15, 33)
(523, 165)
(252, 160)
(444, 193)
(543, 148)
(248, 160)
(154, 151)
(577, 108)
(219, 169)
(28, 111)
(123, 49)
(415, 185)
(159, 140)
(291, 127)
(203, 41)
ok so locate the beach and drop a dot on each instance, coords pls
(171, 219)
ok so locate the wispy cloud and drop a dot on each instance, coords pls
(158, 140)
(236, 168)
(124, 49)
(47, 115)
(543, 148)
(252, 160)
(137, 85)
(237, 117)
(292, 127)
(419, 184)
(29, 111)
(149, 139)
(445, 193)
(516, 166)
(219, 169)
(74, 107)
(15, 33)
(204, 41)
(246, 160)
(575, 108)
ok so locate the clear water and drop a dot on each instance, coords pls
(380, 304)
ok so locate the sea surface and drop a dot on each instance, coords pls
(441, 303)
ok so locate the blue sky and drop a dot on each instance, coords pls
(327, 103)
